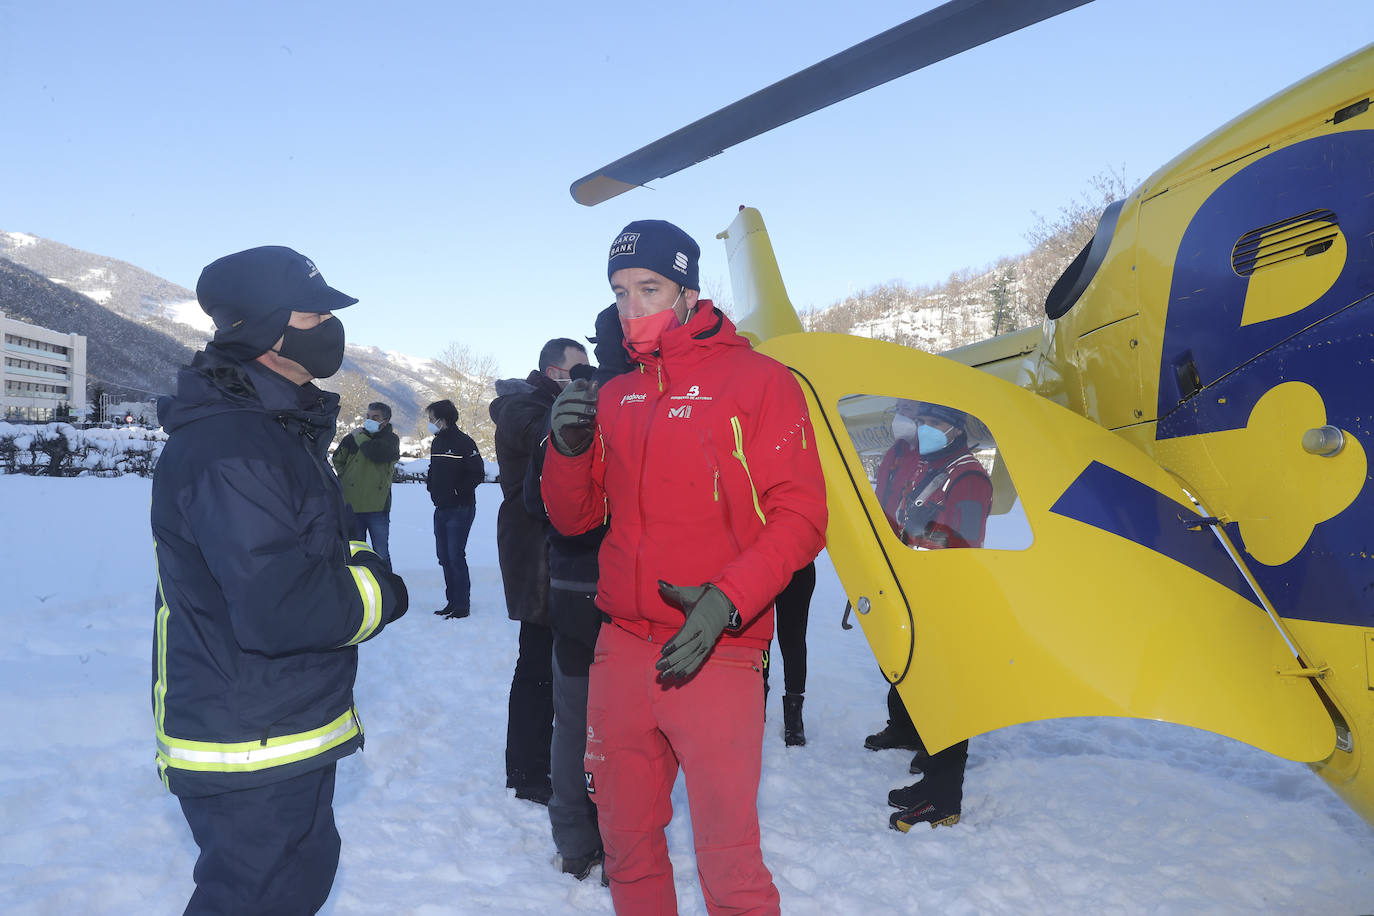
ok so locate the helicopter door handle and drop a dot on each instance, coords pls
(863, 607)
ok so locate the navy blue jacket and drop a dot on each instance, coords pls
(260, 603)
(455, 469)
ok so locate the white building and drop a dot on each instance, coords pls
(43, 370)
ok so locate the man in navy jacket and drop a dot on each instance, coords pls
(261, 598)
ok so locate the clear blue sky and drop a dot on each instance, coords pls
(421, 152)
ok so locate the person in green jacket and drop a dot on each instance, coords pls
(365, 460)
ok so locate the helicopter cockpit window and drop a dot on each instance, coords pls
(1081, 271)
(937, 473)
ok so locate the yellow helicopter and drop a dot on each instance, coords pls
(1183, 521)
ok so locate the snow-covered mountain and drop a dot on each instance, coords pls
(99, 296)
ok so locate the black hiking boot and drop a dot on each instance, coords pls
(449, 612)
(581, 866)
(889, 738)
(793, 732)
(908, 796)
(923, 812)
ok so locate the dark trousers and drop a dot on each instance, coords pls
(451, 528)
(269, 851)
(791, 611)
(377, 525)
(572, 815)
(944, 772)
(529, 723)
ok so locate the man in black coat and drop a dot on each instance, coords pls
(576, 622)
(455, 470)
(520, 412)
(261, 599)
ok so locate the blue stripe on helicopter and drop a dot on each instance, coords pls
(1107, 499)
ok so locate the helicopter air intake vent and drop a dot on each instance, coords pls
(1302, 236)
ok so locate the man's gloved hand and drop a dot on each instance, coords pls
(708, 613)
(573, 421)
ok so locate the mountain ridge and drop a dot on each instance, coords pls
(53, 285)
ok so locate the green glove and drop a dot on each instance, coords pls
(573, 421)
(708, 614)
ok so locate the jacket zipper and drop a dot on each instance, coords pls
(744, 462)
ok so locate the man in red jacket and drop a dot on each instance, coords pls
(703, 459)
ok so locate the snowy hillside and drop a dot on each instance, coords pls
(1086, 816)
(113, 294)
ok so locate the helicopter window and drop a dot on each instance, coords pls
(937, 474)
(1081, 271)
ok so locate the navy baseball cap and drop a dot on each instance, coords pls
(251, 295)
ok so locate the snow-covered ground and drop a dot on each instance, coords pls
(1083, 816)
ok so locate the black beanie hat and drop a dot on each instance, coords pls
(659, 246)
(251, 295)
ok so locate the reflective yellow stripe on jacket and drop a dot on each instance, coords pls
(247, 756)
(371, 593)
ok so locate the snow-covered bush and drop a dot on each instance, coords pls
(63, 450)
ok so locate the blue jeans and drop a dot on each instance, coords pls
(451, 527)
(378, 526)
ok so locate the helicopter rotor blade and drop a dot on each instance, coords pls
(945, 31)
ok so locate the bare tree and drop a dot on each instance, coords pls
(718, 291)
(1058, 241)
(469, 382)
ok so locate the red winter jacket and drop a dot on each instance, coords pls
(705, 463)
(954, 514)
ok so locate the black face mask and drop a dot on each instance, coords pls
(318, 350)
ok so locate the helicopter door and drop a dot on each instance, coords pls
(1055, 570)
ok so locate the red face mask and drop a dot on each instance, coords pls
(642, 334)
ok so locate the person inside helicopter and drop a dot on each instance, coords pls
(936, 495)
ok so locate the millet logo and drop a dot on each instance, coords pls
(684, 411)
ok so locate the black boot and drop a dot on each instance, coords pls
(889, 738)
(793, 733)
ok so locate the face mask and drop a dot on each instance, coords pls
(318, 350)
(903, 427)
(643, 334)
(371, 425)
(433, 428)
(929, 439)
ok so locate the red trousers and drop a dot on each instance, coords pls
(638, 732)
